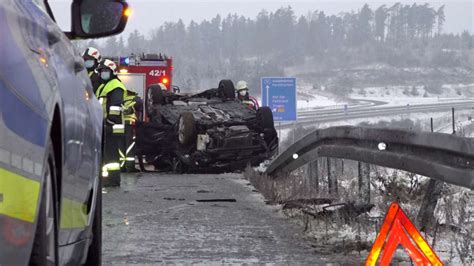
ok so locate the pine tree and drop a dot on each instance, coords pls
(380, 23)
(441, 18)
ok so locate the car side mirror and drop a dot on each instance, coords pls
(176, 89)
(98, 18)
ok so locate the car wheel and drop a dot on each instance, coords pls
(186, 129)
(154, 96)
(94, 255)
(45, 250)
(226, 89)
(265, 117)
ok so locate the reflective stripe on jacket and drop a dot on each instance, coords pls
(129, 113)
(105, 88)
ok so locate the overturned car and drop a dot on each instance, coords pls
(206, 132)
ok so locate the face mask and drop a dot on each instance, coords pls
(243, 92)
(89, 63)
(105, 75)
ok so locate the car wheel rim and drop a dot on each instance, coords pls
(181, 130)
(50, 232)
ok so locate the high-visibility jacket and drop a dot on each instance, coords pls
(129, 113)
(114, 111)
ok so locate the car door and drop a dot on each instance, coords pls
(65, 67)
(26, 103)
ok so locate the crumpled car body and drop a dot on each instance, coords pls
(223, 135)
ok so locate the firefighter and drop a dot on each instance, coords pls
(111, 94)
(131, 111)
(92, 59)
(243, 95)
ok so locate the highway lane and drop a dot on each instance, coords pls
(162, 219)
(320, 116)
(361, 104)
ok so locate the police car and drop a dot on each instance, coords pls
(50, 133)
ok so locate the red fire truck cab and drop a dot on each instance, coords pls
(138, 72)
(157, 68)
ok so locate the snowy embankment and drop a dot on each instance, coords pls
(403, 95)
(310, 99)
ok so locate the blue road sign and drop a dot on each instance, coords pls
(279, 93)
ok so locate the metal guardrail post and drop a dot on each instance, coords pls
(364, 182)
(313, 175)
(425, 217)
(454, 122)
(329, 175)
(332, 176)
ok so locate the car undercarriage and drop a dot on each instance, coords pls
(207, 132)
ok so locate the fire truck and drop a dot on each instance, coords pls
(139, 72)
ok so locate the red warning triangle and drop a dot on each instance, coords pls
(396, 230)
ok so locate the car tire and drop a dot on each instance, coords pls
(45, 245)
(154, 96)
(265, 118)
(186, 129)
(94, 254)
(226, 89)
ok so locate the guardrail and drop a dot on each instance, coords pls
(444, 157)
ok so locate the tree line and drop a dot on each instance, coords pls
(239, 47)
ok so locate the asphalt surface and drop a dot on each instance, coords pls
(158, 219)
(311, 117)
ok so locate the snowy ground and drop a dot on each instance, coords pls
(308, 98)
(451, 238)
(403, 95)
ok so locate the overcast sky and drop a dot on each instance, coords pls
(149, 14)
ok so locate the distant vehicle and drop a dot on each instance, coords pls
(50, 134)
(206, 132)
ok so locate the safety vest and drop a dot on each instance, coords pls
(91, 73)
(104, 90)
(129, 114)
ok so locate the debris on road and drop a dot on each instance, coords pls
(301, 203)
(217, 200)
(204, 191)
